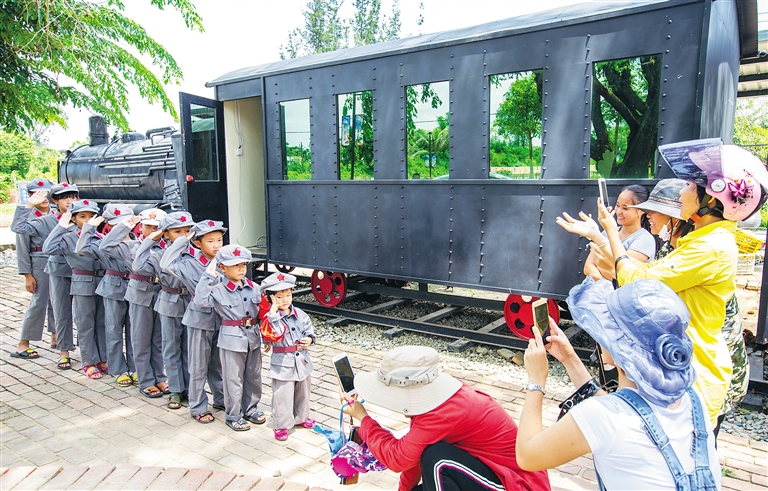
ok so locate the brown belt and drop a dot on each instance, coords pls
(119, 274)
(177, 291)
(35, 249)
(284, 349)
(244, 322)
(87, 273)
(148, 279)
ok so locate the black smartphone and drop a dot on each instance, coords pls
(603, 191)
(344, 373)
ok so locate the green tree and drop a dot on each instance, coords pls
(750, 126)
(519, 114)
(83, 53)
(323, 30)
(625, 95)
(22, 159)
(368, 25)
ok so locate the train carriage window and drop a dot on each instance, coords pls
(515, 118)
(204, 162)
(625, 117)
(427, 120)
(356, 135)
(294, 127)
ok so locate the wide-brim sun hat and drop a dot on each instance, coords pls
(733, 175)
(408, 381)
(642, 325)
(664, 199)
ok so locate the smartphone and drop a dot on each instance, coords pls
(603, 191)
(344, 373)
(541, 317)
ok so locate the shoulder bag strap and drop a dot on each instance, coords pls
(703, 478)
(656, 433)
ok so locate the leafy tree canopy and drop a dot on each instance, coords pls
(83, 53)
(21, 159)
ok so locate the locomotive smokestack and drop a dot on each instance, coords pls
(97, 131)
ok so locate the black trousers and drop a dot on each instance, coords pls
(447, 468)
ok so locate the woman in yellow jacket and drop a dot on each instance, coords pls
(726, 184)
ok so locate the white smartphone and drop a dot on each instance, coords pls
(344, 373)
(541, 316)
(603, 191)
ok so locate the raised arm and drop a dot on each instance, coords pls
(141, 263)
(88, 243)
(204, 292)
(172, 253)
(55, 243)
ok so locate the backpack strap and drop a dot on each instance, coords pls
(655, 432)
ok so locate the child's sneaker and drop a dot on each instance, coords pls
(281, 435)
(308, 423)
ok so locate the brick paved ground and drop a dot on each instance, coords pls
(60, 430)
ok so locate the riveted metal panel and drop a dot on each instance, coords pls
(425, 228)
(355, 215)
(325, 163)
(387, 231)
(468, 131)
(388, 122)
(464, 217)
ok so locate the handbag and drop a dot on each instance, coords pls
(354, 456)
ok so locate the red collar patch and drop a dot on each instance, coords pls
(250, 283)
(99, 235)
(58, 217)
(37, 213)
(203, 260)
(191, 251)
(162, 243)
(231, 286)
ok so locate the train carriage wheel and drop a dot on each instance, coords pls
(518, 314)
(284, 269)
(328, 288)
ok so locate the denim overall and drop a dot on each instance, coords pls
(701, 477)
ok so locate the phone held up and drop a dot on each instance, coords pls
(541, 317)
(344, 373)
(603, 191)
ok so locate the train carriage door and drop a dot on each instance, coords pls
(203, 166)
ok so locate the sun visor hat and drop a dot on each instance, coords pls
(729, 173)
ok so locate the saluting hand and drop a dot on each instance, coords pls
(66, 220)
(273, 306)
(132, 221)
(155, 236)
(96, 220)
(38, 197)
(211, 269)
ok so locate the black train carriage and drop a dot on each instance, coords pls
(469, 230)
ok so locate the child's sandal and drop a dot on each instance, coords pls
(239, 425)
(200, 417)
(175, 401)
(308, 423)
(64, 364)
(124, 380)
(102, 365)
(257, 418)
(92, 372)
(281, 434)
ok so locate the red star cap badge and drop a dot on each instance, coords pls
(183, 219)
(117, 213)
(85, 202)
(236, 252)
(40, 183)
(210, 223)
(281, 277)
(64, 185)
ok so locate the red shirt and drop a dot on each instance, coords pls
(472, 421)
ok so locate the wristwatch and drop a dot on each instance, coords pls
(535, 386)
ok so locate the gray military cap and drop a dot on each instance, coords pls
(152, 216)
(232, 254)
(83, 205)
(278, 281)
(665, 198)
(207, 226)
(38, 184)
(63, 188)
(177, 219)
(114, 213)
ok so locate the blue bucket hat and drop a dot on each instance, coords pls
(642, 325)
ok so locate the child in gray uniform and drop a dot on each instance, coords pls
(59, 273)
(170, 305)
(87, 308)
(112, 288)
(236, 299)
(290, 366)
(141, 293)
(31, 263)
(188, 264)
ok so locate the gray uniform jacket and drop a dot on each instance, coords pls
(111, 286)
(29, 248)
(232, 302)
(295, 366)
(113, 245)
(34, 224)
(188, 265)
(147, 262)
(62, 241)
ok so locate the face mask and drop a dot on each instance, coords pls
(665, 233)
